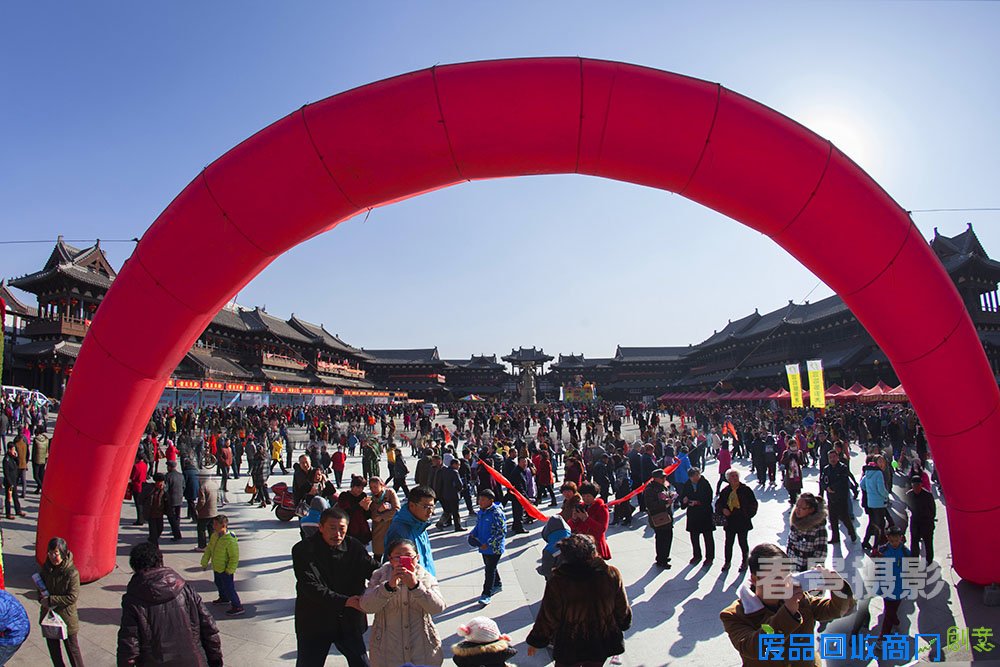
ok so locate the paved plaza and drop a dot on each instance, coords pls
(676, 611)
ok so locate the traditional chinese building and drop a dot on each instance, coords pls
(419, 372)
(751, 352)
(481, 374)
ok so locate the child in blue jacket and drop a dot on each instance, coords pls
(489, 536)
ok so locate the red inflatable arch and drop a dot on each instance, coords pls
(407, 135)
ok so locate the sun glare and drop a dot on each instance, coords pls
(847, 131)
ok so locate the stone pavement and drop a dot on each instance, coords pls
(676, 612)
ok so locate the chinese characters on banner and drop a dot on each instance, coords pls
(794, 384)
(817, 395)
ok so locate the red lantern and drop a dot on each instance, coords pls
(57, 368)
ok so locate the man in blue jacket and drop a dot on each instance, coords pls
(489, 537)
(411, 523)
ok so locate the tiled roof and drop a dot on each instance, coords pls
(637, 354)
(219, 364)
(71, 271)
(428, 355)
(527, 354)
(39, 348)
(229, 318)
(321, 336)
(14, 304)
(259, 320)
(731, 329)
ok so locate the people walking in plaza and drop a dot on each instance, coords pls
(449, 494)
(276, 448)
(21, 444)
(384, 505)
(11, 475)
(259, 474)
(331, 569)
(61, 595)
(156, 505)
(592, 518)
(14, 626)
(875, 497)
(553, 532)
(411, 523)
(404, 597)
(174, 484)
(206, 507)
(793, 460)
(482, 645)
(136, 481)
(890, 588)
(696, 496)
(836, 480)
(584, 611)
(725, 458)
(807, 532)
(164, 621)
(739, 505)
(356, 505)
(39, 456)
(223, 555)
(770, 603)
(923, 516)
(660, 514)
(191, 484)
(489, 537)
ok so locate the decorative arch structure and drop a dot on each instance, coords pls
(417, 132)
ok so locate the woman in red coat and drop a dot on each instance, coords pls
(135, 481)
(592, 519)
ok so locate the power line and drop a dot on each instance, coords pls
(22, 242)
(784, 320)
(952, 210)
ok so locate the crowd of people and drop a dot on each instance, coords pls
(365, 548)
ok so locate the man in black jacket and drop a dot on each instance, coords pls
(164, 621)
(175, 498)
(331, 569)
(696, 497)
(836, 480)
(923, 514)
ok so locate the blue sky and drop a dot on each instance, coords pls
(110, 108)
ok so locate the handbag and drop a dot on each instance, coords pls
(53, 626)
(302, 509)
(660, 519)
(719, 519)
(250, 488)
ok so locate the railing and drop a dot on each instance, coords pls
(64, 325)
(342, 370)
(281, 361)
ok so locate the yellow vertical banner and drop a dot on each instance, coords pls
(794, 384)
(817, 394)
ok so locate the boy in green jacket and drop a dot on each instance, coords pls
(223, 552)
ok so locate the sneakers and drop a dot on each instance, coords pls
(485, 600)
(235, 611)
(220, 601)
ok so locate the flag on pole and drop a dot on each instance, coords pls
(794, 384)
(817, 395)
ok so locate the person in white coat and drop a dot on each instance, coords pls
(404, 597)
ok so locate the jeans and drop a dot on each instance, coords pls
(72, 649)
(492, 583)
(227, 589)
(7, 652)
(312, 651)
(38, 469)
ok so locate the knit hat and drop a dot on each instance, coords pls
(481, 630)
